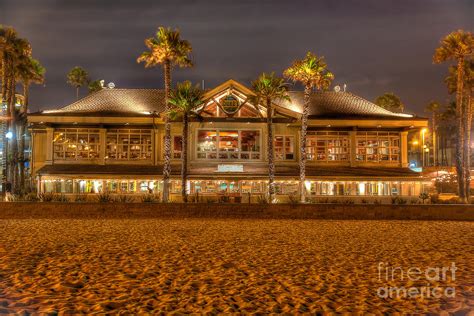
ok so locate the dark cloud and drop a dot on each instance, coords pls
(374, 46)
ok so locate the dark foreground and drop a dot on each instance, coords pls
(230, 265)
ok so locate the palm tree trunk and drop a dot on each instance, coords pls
(184, 158)
(460, 141)
(3, 97)
(270, 153)
(467, 147)
(21, 138)
(435, 141)
(167, 141)
(77, 92)
(4, 77)
(304, 127)
(13, 129)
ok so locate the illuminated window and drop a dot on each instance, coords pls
(76, 144)
(377, 146)
(177, 146)
(284, 147)
(228, 144)
(129, 144)
(328, 146)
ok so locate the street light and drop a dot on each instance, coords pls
(9, 135)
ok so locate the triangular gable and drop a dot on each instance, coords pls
(233, 99)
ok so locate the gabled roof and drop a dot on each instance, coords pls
(337, 104)
(126, 101)
(327, 104)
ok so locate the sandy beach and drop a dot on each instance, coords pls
(227, 266)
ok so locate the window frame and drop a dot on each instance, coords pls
(145, 149)
(77, 132)
(326, 137)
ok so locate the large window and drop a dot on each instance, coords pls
(129, 144)
(378, 146)
(228, 144)
(76, 144)
(284, 147)
(328, 146)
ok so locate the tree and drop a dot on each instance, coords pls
(390, 102)
(268, 88)
(458, 46)
(13, 51)
(312, 72)
(29, 71)
(185, 98)
(434, 108)
(166, 49)
(77, 77)
(95, 85)
(468, 84)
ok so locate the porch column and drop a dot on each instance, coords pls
(156, 146)
(404, 149)
(103, 145)
(49, 145)
(352, 137)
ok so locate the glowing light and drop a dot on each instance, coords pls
(424, 130)
(415, 142)
(9, 135)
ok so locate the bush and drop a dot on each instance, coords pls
(348, 202)
(293, 199)
(104, 198)
(78, 198)
(434, 198)
(150, 198)
(398, 200)
(60, 198)
(415, 201)
(124, 198)
(424, 196)
(262, 199)
(31, 197)
(46, 197)
(364, 201)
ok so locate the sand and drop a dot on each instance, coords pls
(225, 266)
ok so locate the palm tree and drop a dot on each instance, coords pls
(166, 49)
(29, 71)
(434, 108)
(312, 72)
(457, 46)
(95, 85)
(268, 88)
(77, 77)
(13, 51)
(185, 98)
(468, 84)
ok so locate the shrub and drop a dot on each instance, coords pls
(262, 199)
(80, 198)
(60, 198)
(434, 198)
(377, 202)
(414, 201)
(364, 201)
(424, 196)
(104, 198)
(293, 199)
(46, 197)
(124, 198)
(348, 202)
(31, 197)
(398, 200)
(149, 198)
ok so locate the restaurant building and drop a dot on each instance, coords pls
(112, 141)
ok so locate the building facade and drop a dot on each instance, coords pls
(112, 141)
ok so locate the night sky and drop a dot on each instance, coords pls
(372, 46)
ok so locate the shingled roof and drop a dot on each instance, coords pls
(328, 104)
(337, 104)
(118, 101)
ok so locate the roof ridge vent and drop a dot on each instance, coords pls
(111, 85)
(337, 88)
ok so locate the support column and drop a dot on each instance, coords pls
(352, 138)
(404, 149)
(156, 146)
(49, 145)
(103, 145)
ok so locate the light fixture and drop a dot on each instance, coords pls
(9, 135)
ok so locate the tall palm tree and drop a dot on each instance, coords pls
(29, 71)
(166, 49)
(267, 89)
(13, 51)
(77, 77)
(185, 98)
(468, 84)
(312, 73)
(390, 101)
(457, 46)
(434, 107)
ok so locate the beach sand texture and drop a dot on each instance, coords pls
(226, 266)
